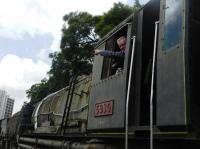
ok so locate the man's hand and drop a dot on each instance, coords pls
(97, 51)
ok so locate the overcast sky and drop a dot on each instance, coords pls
(29, 31)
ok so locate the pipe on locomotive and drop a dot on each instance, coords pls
(56, 144)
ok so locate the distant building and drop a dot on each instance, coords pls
(9, 108)
(3, 100)
(6, 105)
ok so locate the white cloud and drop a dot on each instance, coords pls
(18, 74)
(43, 16)
(44, 55)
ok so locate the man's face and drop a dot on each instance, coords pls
(122, 44)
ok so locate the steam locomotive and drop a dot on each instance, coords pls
(153, 102)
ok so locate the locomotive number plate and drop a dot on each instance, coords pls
(104, 108)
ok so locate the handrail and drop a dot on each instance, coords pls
(152, 84)
(128, 92)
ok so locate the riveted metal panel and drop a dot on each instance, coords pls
(112, 88)
(171, 93)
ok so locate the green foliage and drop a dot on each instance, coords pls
(78, 41)
(137, 3)
(59, 73)
(113, 17)
(38, 91)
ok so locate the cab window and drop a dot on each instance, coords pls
(173, 24)
(113, 65)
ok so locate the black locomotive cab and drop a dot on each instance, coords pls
(107, 100)
(176, 83)
(108, 94)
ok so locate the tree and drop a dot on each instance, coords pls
(59, 73)
(75, 58)
(113, 17)
(137, 3)
(78, 41)
(38, 91)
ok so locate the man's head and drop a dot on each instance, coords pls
(121, 41)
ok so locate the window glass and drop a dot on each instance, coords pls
(173, 24)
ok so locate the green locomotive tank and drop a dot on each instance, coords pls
(48, 114)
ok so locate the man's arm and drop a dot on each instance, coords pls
(97, 51)
(112, 54)
(109, 53)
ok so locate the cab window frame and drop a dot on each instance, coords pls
(111, 45)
